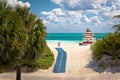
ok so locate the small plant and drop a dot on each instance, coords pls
(46, 60)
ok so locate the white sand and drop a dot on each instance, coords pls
(78, 57)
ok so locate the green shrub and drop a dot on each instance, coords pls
(109, 45)
(2, 69)
(46, 60)
(97, 49)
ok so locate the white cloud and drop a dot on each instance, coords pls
(95, 12)
(111, 14)
(87, 4)
(104, 27)
(115, 3)
(113, 8)
(26, 4)
(75, 15)
(44, 13)
(13, 3)
(57, 12)
(86, 19)
(75, 21)
(57, 1)
(96, 19)
(62, 18)
(79, 4)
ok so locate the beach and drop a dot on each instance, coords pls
(77, 66)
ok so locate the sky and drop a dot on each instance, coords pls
(74, 16)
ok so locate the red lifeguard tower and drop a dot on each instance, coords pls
(88, 37)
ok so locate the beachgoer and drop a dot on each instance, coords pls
(80, 43)
(58, 43)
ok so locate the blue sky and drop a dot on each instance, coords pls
(74, 16)
(37, 6)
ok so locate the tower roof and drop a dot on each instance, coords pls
(88, 30)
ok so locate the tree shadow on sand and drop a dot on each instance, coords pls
(94, 66)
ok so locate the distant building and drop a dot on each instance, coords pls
(88, 37)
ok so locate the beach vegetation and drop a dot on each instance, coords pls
(109, 45)
(45, 60)
(21, 39)
(107, 50)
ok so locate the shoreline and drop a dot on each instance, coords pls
(63, 41)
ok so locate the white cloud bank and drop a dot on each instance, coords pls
(87, 4)
(77, 15)
(13, 3)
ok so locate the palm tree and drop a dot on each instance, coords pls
(12, 38)
(117, 26)
(36, 33)
(21, 37)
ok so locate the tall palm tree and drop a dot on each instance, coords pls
(21, 37)
(12, 38)
(36, 33)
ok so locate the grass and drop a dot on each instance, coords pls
(46, 60)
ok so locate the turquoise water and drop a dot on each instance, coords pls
(74, 37)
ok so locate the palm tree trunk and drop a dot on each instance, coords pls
(18, 72)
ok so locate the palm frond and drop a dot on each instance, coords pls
(116, 27)
(117, 16)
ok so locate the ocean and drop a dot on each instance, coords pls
(70, 37)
